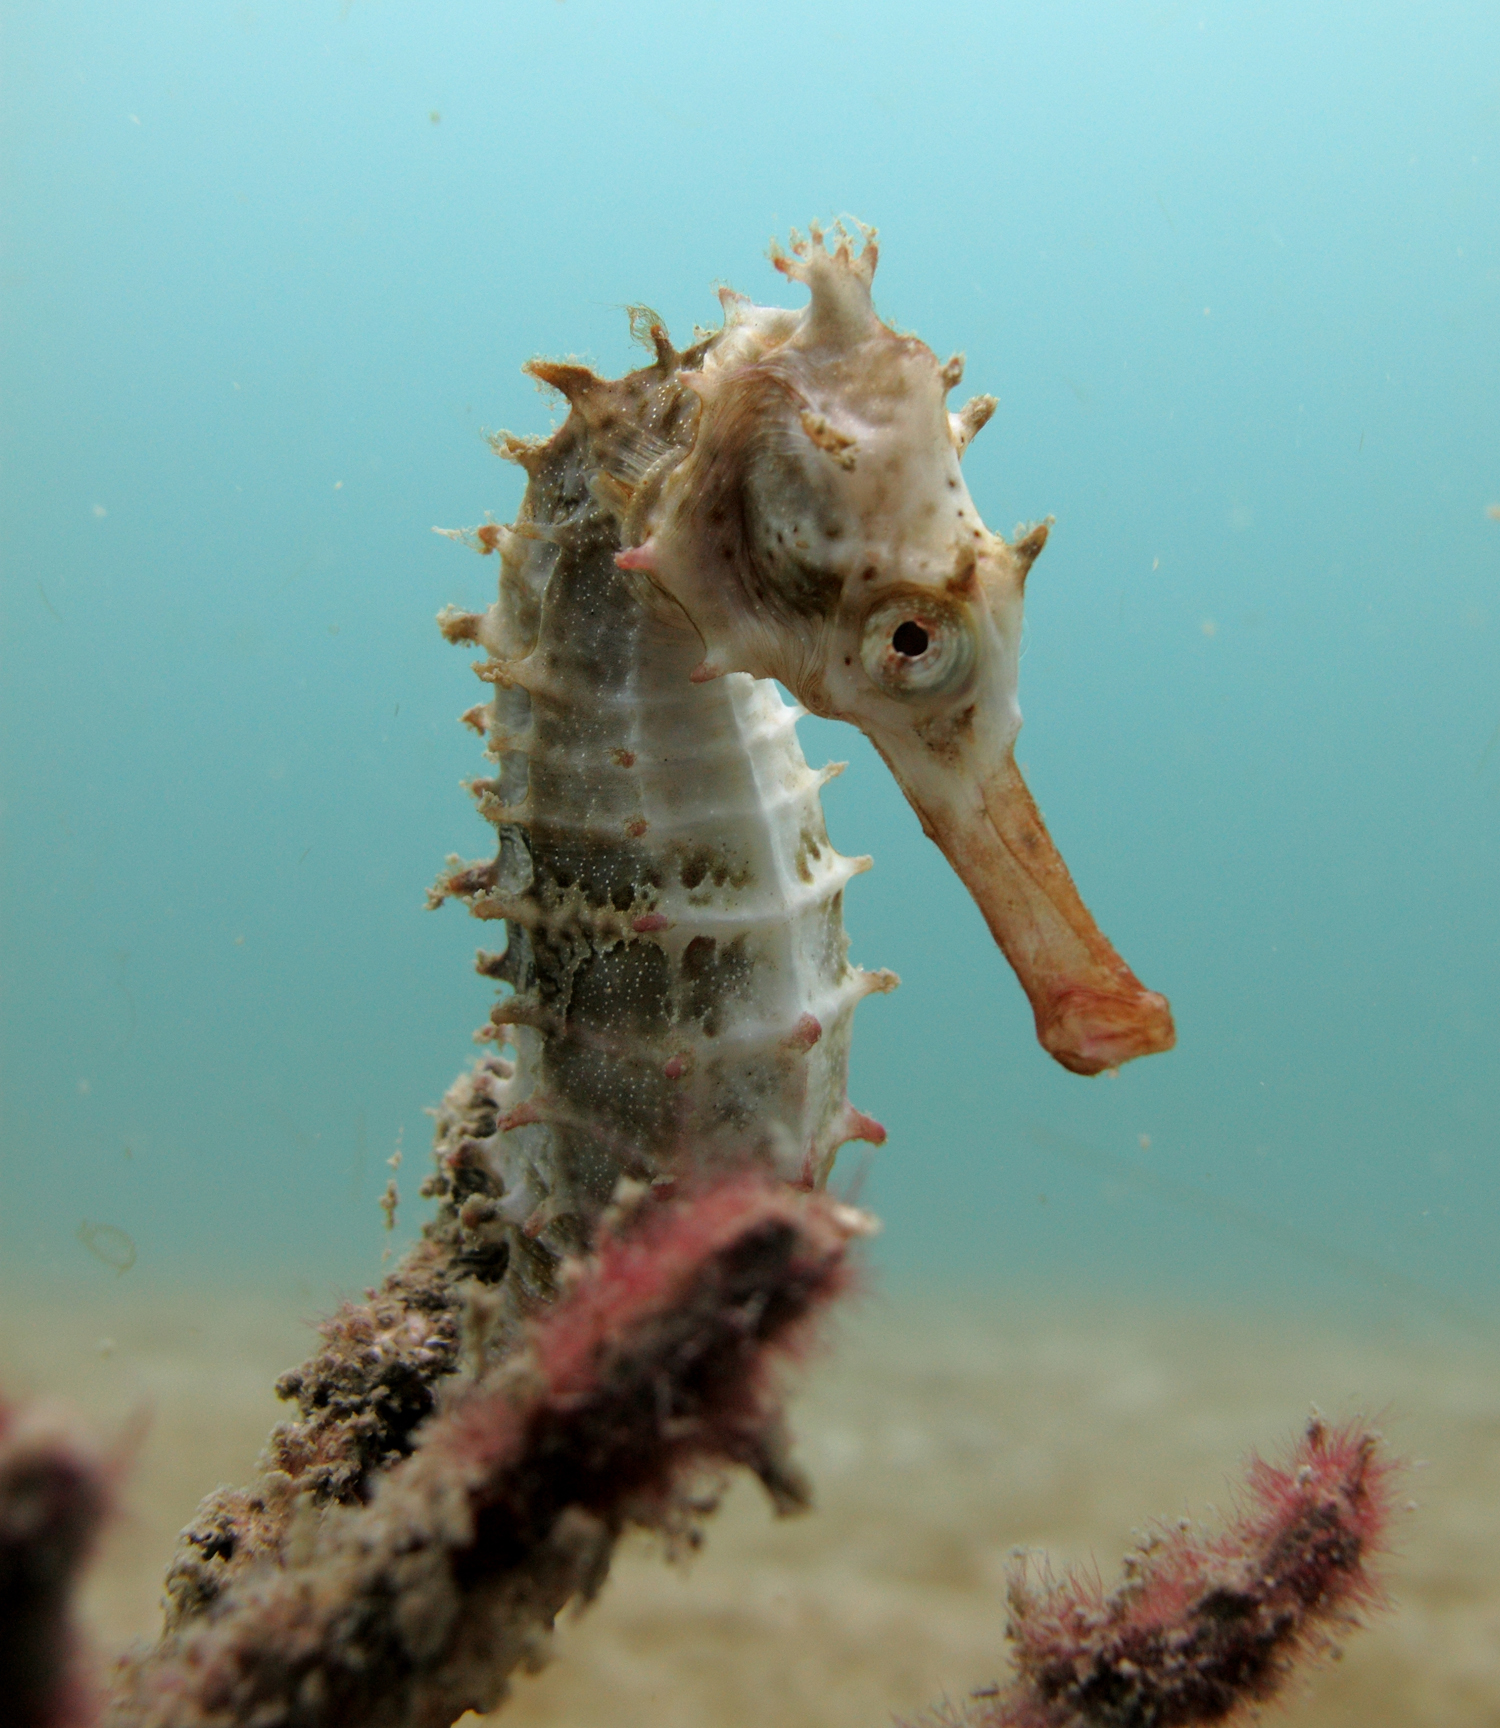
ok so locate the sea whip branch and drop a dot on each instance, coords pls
(418, 1605)
(407, 1611)
(1204, 1628)
(55, 1489)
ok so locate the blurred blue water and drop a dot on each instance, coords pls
(1234, 272)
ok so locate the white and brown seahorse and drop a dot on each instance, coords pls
(782, 501)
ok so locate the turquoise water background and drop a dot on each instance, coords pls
(1233, 271)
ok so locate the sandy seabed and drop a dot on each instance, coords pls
(940, 1435)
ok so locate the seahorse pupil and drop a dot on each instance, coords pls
(910, 639)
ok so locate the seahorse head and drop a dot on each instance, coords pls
(818, 531)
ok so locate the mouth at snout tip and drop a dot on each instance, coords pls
(1089, 1031)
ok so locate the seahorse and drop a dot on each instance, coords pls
(782, 502)
(779, 504)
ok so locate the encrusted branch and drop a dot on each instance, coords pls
(1203, 1629)
(407, 1611)
(362, 1397)
(54, 1494)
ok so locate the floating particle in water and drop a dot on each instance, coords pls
(1493, 512)
(108, 1243)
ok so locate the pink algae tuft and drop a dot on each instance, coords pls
(1204, 1628)
(56, 1490)
(646, 1269)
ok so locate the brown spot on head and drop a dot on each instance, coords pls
(622, 758)
(488, 537)
(964, 582)
(944, 734)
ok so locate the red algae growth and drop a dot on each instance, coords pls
(56, 1489)
(1204, 1628)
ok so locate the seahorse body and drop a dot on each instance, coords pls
(673, 907)
(782, 500)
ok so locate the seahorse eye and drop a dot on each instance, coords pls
(909, 638)
(917, 646)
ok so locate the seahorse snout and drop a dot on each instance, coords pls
(1092, 1012)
